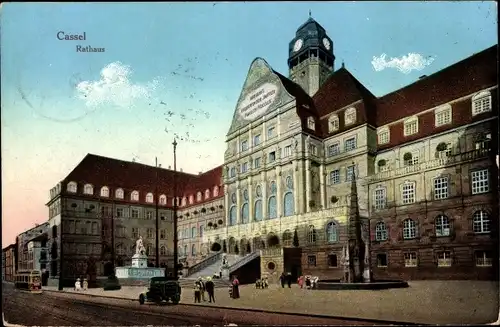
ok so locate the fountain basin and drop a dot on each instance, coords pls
(336, 285)
(133, 276)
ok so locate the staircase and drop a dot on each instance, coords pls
(204, 264)
(188, 283)
(243, 261)
(214, 268)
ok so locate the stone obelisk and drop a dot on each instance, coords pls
(356, 244)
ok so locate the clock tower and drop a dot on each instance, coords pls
(310, 56)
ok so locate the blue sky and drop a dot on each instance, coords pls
(47, 129)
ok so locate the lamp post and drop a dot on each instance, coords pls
(157, 239)
(176, 254)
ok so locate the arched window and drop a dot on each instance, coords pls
(244, 208)
(331, 232)
(72, 186)
(163, 200)
(287, 238)
(350, 116)
(149, 249)
(442, 225)
(311, 235)
(191, 199)
(380, 231)
(207, 194)
(179, 250)
(104, 191)
(163, 250)
(232, 215)
(216, 191)
(481, 222)
(289, 198)
(409, 229)
(193, 232)
(258, 204)
(198, 197)
(201, 231)
(193, 250)
(88, 189)
(120, 250)
(271, 204)
(119, 193)
(149, 198)
(134, 196)
(333, 123)
(186, 250)
(481, 102)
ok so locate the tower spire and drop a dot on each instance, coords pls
(309, 13)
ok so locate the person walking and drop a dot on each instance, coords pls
(236, 288)
(282, 280)
(289, 279)
(210, 287)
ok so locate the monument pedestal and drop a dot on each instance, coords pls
(140, 261)
(139, 273)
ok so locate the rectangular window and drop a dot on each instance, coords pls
(349, 173)
(256, 140)
(150, 232)
(350, 144)
(311, 260)
(410, 259)
(162, 234)
(335, 176)
(334, 124)
(244, 146)
(480, 181)
(313, 149)
(287, 151)
(484, 143)
(383, 137)
(272, 156)
(149, 215)
(411, 127)
(256, 163)
(244, 167)
(442, 117)
(270, 132)
(135, 213)
(444, 259)
(481, 105)
(382, 260)
(135, 233)
(441, 188)
(484, 259)
(408, 193)
(333, 150)
(332, 260)
(119, 212)
(232, 172)
(445, 153)
(380, 198)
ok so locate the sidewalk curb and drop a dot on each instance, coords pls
(385, 322)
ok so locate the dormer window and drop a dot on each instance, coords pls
(310, 123)
(184, 201)
(383, 136)
(198, 196)
(191, 199)
(216, 191)
(149, 198)
(163, 200)
(442, 116)
(481, 102)
(88, 189)
(71, 187)
(411, 126)
(119, 193)
(104, 191)
(350, 116)
(207, 194)
(333, 123)
(134, 196)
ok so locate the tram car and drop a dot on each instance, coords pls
(29, 280)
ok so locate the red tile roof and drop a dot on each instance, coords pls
(132, 176)
(472, 74)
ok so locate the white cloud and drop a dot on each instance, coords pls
(405, 64)
(114, 87)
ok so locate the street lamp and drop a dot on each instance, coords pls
(176, 254)
(157, 243)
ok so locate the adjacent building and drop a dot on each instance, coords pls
(32, 248)
(104, 205)
(8, 263)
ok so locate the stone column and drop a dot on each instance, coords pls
(238, 203)
(322, 186)
(250, 201)
(308, 184)
(263, 187)
(226, 203)
(279, 195)
(297, 191)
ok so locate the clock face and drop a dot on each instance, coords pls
(326, 43)
(297, 45)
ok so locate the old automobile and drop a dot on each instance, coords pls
(162, 289)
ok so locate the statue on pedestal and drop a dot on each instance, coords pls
(139, 247)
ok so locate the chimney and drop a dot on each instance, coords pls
(169, 167)
(199, 173)
(180, 170)
(422, 77)
(159, 166)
